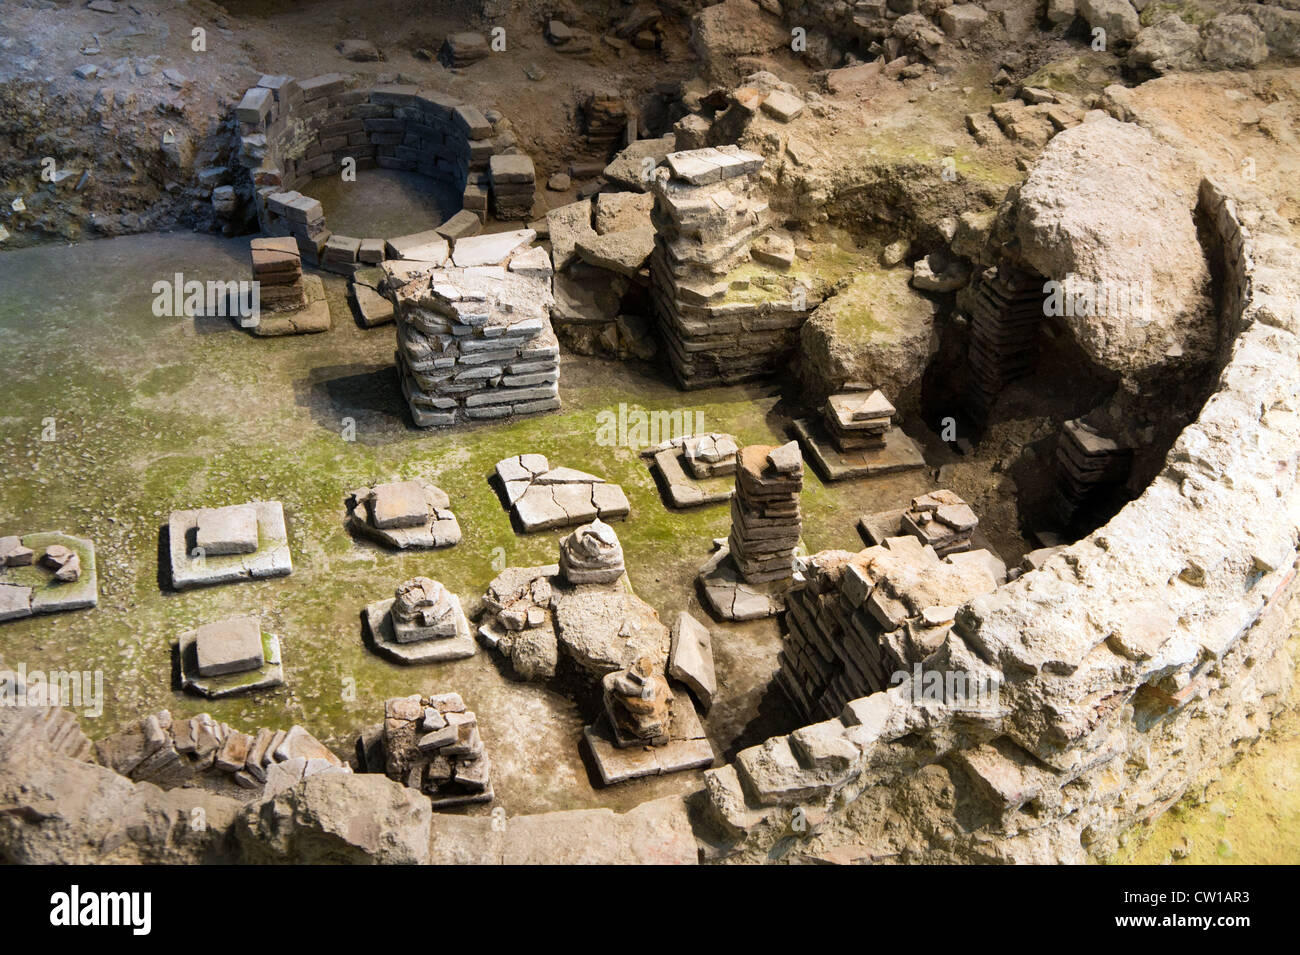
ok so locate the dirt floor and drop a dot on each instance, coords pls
(153, 413)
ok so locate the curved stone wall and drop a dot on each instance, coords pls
(1131, 665)
(292, 132)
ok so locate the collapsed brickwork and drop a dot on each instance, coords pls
(1128, 667)
(474, 339)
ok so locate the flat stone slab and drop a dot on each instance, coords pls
(372, 308)
(269, 674)
(192, 568)
(900, 453)
(15, 602)
(687, 748)
(379, 630)
(691, 659)
(32, 589)
(227, 530)
(312, 317)
(729, 597)
(492, 249)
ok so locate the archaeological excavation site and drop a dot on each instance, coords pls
(805, 432)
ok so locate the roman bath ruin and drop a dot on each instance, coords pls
(700, 432)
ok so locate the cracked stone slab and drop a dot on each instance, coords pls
(542, 497)
(380, 637)
(729, 597)
(193, 568)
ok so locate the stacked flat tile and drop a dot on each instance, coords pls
(606, 121)
(277, 268)
(859, 420)
(1087, 463)
(708, 209)
(765, 518)
(853, 623)
(1006, 308)
(463, 49)
(513, 181)
(290, 213)
(477, 343)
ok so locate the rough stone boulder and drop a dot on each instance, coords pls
(1108, 212)
(1117, 17)
(64, 810)
(1167, 45)
(1234, 42)
(726, 31)
(874, 329)
(361, 818)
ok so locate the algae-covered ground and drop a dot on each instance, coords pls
(146, 414)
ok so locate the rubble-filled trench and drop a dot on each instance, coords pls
(1144, 643)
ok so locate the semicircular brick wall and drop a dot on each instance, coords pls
(1133, 664)
(292, 132)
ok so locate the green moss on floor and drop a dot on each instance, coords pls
(154, 414)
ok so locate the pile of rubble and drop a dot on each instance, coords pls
(940, 519)
(599, 248)
(289, 302)
(404, 514)
(474, 339)
(636, 704)
(592, 554)
(202, 751)
(542, 497)
(724, 317)
(517, 620)
(857, 620)
(432, 745)
(681, 463)
(531, 614)
(423, 622)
